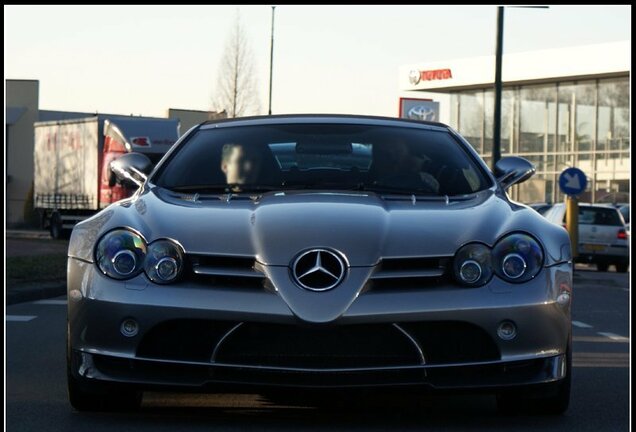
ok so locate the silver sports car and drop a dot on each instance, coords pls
(322, 252)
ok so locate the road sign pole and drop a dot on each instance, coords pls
(572, 223)
(572, 182)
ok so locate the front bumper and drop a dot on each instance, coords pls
(100, 353)
(151, 374)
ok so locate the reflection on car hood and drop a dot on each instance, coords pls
(275, 227)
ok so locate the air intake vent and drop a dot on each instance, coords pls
(222, 265)
(391, 268)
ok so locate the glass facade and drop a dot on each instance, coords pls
(555, 126)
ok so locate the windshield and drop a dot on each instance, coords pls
(322, 156)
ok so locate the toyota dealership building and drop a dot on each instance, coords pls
(560, 108)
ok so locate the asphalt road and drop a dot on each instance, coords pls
(36, 385)
(27, 247)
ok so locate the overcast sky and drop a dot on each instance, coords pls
(328, 59)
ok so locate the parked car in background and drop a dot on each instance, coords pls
(603, 238)
(280, 253)
(540, 208)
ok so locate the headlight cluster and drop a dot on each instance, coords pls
(123, 254)
(515, 258)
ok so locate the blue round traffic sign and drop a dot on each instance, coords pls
(572, 181)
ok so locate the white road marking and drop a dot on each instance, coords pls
(600, 360)
(597, 339)
(613, 336)
(51, 302)
(580, 324)
(22, 318)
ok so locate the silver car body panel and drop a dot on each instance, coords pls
(274, 227)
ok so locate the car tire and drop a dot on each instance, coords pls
(119, 401)
(82, 399)
(56, 228)
(622, 267)
(553, 403)
(602, 266)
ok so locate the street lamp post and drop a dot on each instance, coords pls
(496, 133)
(271, 62)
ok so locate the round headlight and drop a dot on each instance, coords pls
(517, 257)
(470, 271)
(120, 254)
(124, 262)
(164, 261)
(473, 264)
(513, 265)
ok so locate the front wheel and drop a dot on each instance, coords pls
(602, 266)
(554, 403)
(622, 267)
(83, 400)
(57, 229)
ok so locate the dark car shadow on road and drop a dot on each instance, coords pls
(372, 412)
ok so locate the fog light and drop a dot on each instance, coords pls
(470, 271)
(507, 330)
(129, 327)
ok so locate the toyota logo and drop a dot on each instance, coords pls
(414, 77)
(318, 269)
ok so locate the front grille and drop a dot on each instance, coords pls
(412, 264)
(393, 274)
(227, 271)
(375, 345)
(409, 274)
(223, 261)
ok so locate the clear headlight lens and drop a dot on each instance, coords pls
(517, 257)
(120, 254)
(473, 264)
(164, 261)
(123, 254)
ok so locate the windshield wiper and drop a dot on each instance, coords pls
(228, 188)
(397, 190)
(318, 185)
(361, 186)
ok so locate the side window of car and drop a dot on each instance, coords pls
(589, 217)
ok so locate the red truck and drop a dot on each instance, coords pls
(72, 178)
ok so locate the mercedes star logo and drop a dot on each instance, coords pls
(318, 269)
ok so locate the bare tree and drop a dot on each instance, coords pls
(236, 91)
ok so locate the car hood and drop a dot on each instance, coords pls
(276, 227)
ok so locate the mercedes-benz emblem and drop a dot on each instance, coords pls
(318, 269)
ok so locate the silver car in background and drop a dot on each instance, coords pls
(603, 235)
(320, 252)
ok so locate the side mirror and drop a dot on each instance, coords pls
(131, 167)
(513, 169)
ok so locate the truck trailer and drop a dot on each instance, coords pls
(72, 177)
